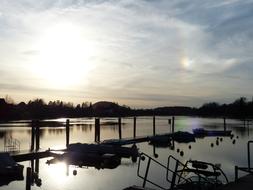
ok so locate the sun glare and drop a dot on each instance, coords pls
(64, 56)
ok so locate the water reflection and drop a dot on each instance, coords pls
(52, 135)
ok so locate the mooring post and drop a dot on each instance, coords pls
(224, 119)
(134, 127)
(28, 178)
(37, 136)
(32, 135)
(154, 126)
(120, 135)
(169, 123)
(67, 133)
(173, 124)
(97, 130)
(37, 165)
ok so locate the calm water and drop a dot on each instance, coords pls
(59, 176)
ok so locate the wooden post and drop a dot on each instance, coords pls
(173, 124)
(32, 135)
(134, 127)
(169, 123)
(67, 133)
(37, 165)
(28, 178)
(97, 130)
(120, 135)
(154, 126)
(37, 137)
(224, 123)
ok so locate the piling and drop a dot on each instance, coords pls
(169, 123)
(120, 135)
(67, 133)
(37, 165)
(224, 119)
(32, 136)
(37, 137)
(28, 178)
(134, 127)
(154, 126)
(97, 130)
(173, 124)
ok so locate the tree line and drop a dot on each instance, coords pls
(39, 109)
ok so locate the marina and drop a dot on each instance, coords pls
(49, 156)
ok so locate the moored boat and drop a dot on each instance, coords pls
(200, 132)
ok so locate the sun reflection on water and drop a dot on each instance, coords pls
(59, 173)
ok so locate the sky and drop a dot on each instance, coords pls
(141, 53)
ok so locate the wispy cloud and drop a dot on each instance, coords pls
(147, 52)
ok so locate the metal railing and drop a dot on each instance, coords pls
(174, 174)
(11, 145)
(247, 169)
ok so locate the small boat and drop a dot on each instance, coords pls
(101, 149)
(200, 175)
(160, 140)
(183, 137)
(105, 161)
(200, 132)
(9, 169)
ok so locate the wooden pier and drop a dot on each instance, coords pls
(26, 156)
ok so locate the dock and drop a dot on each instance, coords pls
(245, 183)
(25, 156)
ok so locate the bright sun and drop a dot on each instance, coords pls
(64, 56)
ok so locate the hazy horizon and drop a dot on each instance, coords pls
(142, 54)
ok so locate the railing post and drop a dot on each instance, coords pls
(174, 176)
(146, 173)
(236, 173)
(249, 142)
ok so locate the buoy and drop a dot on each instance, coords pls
(211, 144)
(233, 141)
(182, 153)
(156, 155)
(237, 137)
(190, 146)
(178, 149)
(221, 139)
(217, 143)
(74, 172)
